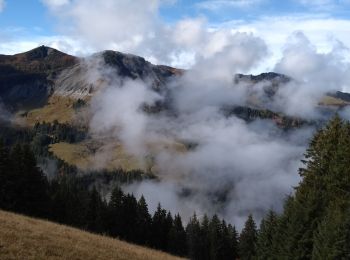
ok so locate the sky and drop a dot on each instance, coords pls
(124, 25)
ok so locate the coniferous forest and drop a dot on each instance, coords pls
(314, 224)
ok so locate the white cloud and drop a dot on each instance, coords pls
(214, 5)
(323, 31)
(2, 5)
(52, 4)
(315, 73)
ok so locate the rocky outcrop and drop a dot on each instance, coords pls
(27, 79)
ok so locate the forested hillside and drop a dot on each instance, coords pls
(315, 222)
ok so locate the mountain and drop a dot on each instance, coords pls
(28, 238)
(28, 80)
(48, 85)
(43, 75)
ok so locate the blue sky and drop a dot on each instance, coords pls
(173, 32)
(32, 17)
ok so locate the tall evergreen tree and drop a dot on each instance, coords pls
(160, 228)
(193, 231)
(114, 215)
(205, 238)
(248, 240)
(94, 212)
(129, 217)
(215, 238)
(31, 187)
(266, 233)
(177, 238)
(143, 223)
(233, 237)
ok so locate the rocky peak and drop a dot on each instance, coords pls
(268, 76)
(39, 60)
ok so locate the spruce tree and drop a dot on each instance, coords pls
(177, 238)
(160, 228)
(143, 223)
(248, 240)
(233, 236)
(205, 238)
(129, 218)
(266, 233)
(215, 238)
(114, 215)
(94, 212)
(193, 231)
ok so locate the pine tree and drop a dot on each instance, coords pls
(233, 236)
(228, 251)
(205, 238)
(177, 238)
(31, 186)
(159, 228)
(266, 233)
(332, 238)
(193, 231)
(248, 240)
(215, 238)
(324, 185)
(114, 215)
(143, 223)
(129, 217)
(94, 212)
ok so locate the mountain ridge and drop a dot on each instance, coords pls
(41, 76)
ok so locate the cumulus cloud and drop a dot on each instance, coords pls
(142, 33)
(315, 74)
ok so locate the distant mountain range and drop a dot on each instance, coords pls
(31, 79)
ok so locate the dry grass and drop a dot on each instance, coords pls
(110, 154)
(58, 108)
(27, 238)
(94, 155)
(332, 101)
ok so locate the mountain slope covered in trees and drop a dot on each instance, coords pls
(313, 225)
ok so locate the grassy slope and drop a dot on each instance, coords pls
(94, 154)
(332, 101)
(58, 108)
(90, 155)
(27, 238)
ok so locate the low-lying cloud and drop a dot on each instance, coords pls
(233, 167)
(205, 161)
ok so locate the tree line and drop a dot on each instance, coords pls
(314, 224)
(66, 200)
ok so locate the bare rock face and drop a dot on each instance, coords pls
(28, 79)
(87, 76)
